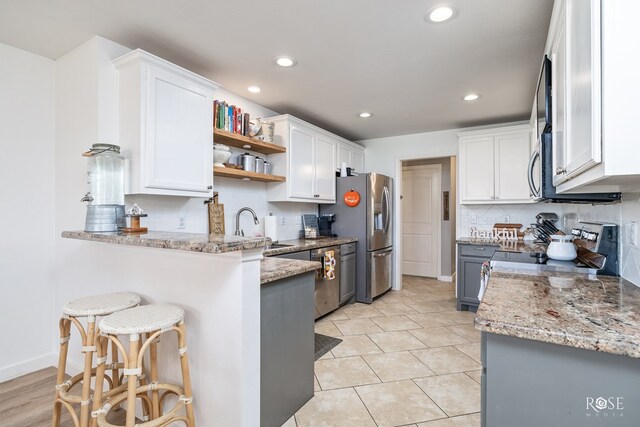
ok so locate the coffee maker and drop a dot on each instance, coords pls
(324, 224)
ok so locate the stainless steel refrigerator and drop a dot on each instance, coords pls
(371, 221)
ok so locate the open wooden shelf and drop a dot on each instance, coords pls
(241, 174)
(246, 143)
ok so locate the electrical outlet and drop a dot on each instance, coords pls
(474, 219)
(633, 233)
(507, 219)
(181, 223)
(282, 220)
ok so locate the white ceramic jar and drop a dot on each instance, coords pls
(562, 248)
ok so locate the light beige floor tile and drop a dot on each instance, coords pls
(424, 297)
(395, 323)
(291, 422)
(327, 328)
(396, 309)
(471, 420)
(334, 408)
(449, 304)
(339, 314)
(438, 337)
(445, 296)
(468, 332)
(397, 297)
(442, 287)
(355, 345)
(475, 375)
(327, 355)
(431, 320)
(344, 372)
(472, 350)
(455, 394)
(356, 326)
(397, 366)
(316, 384)
(361, 311)
(398, 403)
(446, 360)
(426, 306)
(396, 341)
(460, 317)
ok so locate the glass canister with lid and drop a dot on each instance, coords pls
(105, 179)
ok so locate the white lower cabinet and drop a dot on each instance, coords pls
(493, 165)
(165, 126)
(308, 164)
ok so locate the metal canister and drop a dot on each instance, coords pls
(247, 161)
(259, 165)
(267, 168)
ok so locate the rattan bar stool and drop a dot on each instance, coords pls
(89, 307)
(149, 321)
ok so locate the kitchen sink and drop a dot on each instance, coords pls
(278, 245)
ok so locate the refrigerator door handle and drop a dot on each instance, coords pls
(385, 198)
(383, 253)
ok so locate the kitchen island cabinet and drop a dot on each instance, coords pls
(559, 350)
(470, 260)
(218, 280)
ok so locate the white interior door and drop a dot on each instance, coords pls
(421, 220)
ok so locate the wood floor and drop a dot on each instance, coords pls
(27, 401)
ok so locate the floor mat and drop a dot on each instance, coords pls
(325, 343)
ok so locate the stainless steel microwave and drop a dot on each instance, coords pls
(540, 176)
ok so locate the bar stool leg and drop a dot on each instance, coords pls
(153, 359)
(65, 334)
(101, 351)
(88, 348)
(115, 372)
(134, 347)
(186, 378)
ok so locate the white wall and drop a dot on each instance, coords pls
(26, 218)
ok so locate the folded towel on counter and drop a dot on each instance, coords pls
(484, 278)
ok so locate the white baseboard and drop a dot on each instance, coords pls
(445, 278)
(12, 371)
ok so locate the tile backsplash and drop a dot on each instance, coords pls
(484, 216)
(190, 215)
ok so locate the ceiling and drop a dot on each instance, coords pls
(353, 56)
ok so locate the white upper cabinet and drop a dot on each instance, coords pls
(493, 165)
(308, 164)
(592, 45)
(351, 154)
(165, 126)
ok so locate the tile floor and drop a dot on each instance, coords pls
(408, 359)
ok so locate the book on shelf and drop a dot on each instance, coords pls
(230, 118)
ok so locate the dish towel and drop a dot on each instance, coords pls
(330, 265)
(484, 278)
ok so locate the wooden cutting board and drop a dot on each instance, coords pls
(216, 218)
(500, 225)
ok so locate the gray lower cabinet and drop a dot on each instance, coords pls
(528, 383)
(347, 272)
(287, 347)
(470, 260)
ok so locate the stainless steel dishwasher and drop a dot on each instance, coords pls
(327, 293)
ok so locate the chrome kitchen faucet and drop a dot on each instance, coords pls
(256, 221)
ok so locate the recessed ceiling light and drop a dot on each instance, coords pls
(253, 89)
(440, 13)
(285, 61)
(471, 97)
(365, 115)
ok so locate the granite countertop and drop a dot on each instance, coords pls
(505, 245)
(298, 245)
(272, 269)
(193, 242)
(600, 313)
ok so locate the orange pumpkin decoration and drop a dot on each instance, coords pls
(351, 198)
